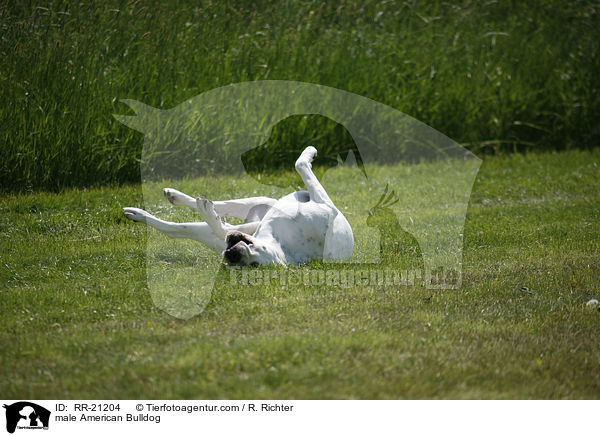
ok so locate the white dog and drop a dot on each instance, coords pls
(299, 227)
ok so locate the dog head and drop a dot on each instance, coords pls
(243, 249)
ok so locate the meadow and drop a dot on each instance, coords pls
(497, 76)
(78, 320)
(515, 82)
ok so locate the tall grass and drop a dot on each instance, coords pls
(495, 76)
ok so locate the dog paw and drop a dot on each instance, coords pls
(170, 195)
(174, 196)
(306, 158)
(205, 207)
(310, 152)
(135, 214)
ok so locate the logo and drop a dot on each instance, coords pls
(411, 215)
(26, 415)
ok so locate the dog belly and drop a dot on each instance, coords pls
(299, 228)
(301, 245)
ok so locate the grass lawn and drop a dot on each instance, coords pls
(78, 320)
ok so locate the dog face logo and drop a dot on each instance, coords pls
(26, 415)
(289, 137)
(229, 130)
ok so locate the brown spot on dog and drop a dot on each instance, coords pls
(234, 237)
(233, 255)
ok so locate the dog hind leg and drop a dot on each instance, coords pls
(304, 167)
(248, 209)
(178, 198)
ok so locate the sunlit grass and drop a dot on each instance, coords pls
(78, 320)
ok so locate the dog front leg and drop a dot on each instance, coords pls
(200, 232)
(206, 209)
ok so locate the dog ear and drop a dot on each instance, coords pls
(234, 237)
(232, 255)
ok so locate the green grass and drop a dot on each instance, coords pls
(78, 319)
(496, 76)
